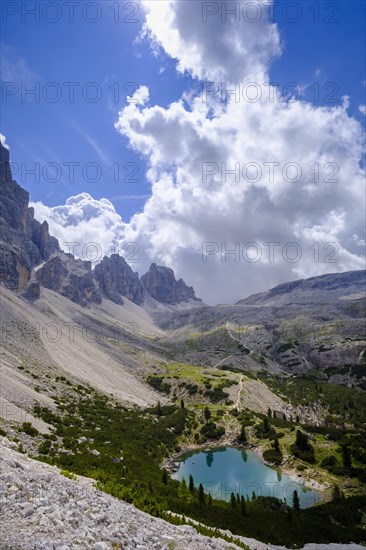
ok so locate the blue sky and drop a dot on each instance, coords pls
(136, 169)
(106, 52)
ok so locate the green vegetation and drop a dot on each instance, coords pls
(295, 501)
(27, 428)
(211, 431)
(123, 450)
(345, 405)
(157, 382)
(274, 455)
(302, 448)
(192, 380)
(339, 444)
(68, 474)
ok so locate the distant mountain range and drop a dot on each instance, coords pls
(112, 325)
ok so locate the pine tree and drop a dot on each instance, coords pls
(159, 411)
(254, 496)
(201, 495)
(269, 413)
(207, 414)
(265, 424)
(232, 500)
(243, 506)
(209, 500)
(184, 485)
(302, 441)
(237, 498)
(164, 477)
(290, 518)
(336, 494)
(276, 445)
(242, 436)
(191, 484)
(295, 501)
(347, 458)
(182, 405)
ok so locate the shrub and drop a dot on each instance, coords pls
(211, 431)
(29, 429)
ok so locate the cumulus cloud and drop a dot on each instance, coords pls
(207, 39)
(245, 193)
(82, 221)
(362, 109)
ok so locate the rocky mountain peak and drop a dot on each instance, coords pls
(116, 279)
(161, 284)
(24, 242)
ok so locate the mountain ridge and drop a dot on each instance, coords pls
(30, 258)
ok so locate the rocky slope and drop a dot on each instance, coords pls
(41, 509)
(315, 324)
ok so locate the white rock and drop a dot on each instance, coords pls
(100, 546)
(28, 510)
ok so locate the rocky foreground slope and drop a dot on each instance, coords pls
(41, 509)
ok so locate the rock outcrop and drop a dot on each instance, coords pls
(71, 278)
(161, 284)
(24, 242)
(116, 279)
(39, 234)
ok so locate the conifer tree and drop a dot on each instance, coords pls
(295, 501)
(191, 484)
(164, 477)
(243, 506)
(201, 495)
(233, 500)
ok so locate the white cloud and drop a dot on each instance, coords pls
(84, 220)
(362, 109)
(3, 141)
(214, 46)
(315, 217)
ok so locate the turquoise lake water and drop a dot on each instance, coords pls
(225, 470)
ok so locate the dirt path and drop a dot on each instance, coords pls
(240, 389)
(222, 360)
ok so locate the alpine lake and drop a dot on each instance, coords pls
(227, 470)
